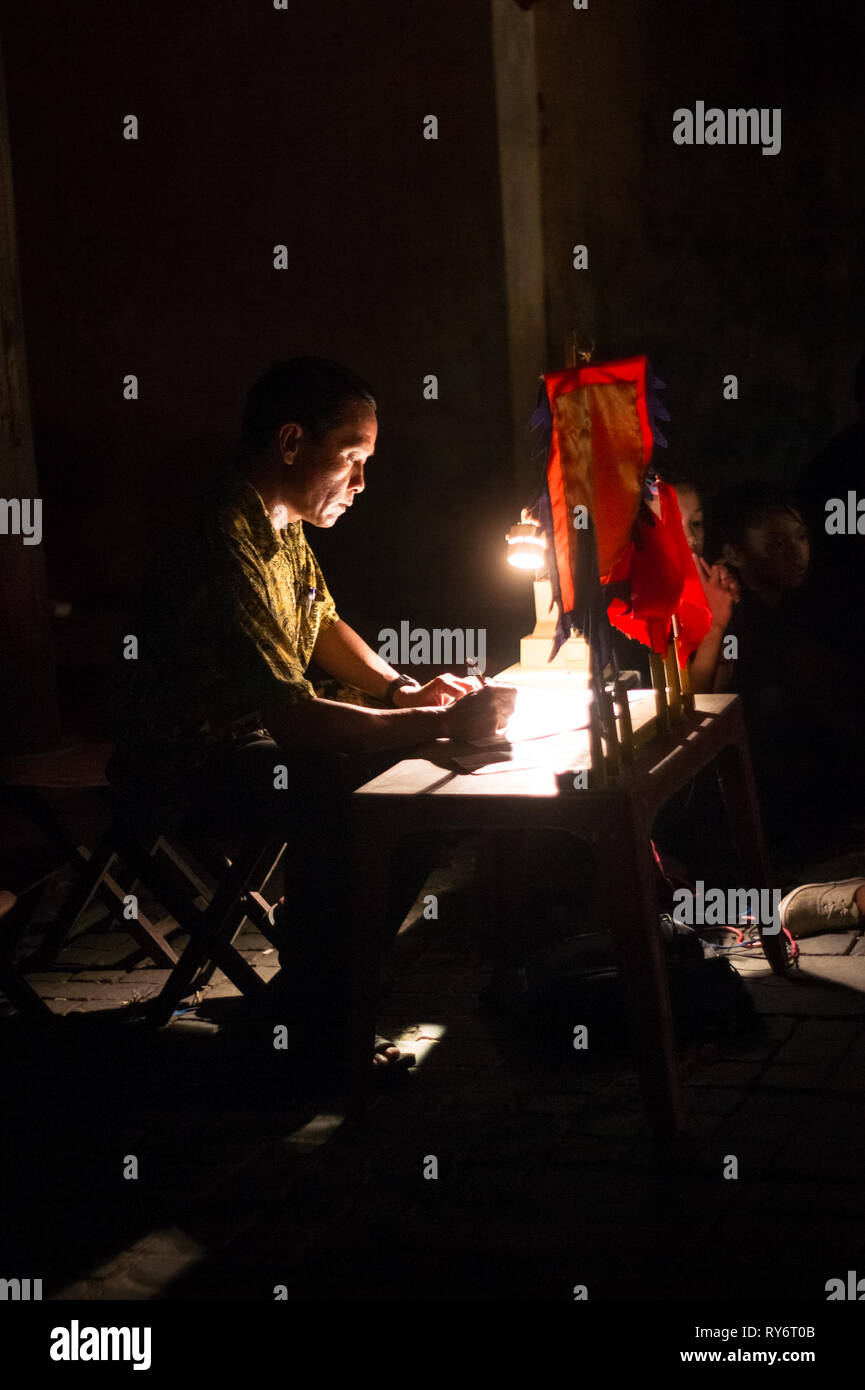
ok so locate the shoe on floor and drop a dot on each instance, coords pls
(819, 907)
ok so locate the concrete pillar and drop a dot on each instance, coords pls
(520, 178)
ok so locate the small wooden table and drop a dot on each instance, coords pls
(427, 793)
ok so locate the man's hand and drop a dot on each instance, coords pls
(338, 727)
(481, 714)
(441, 690)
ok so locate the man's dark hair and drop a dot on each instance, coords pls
(740, 505)
(310, 390)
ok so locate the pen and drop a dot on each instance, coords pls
(474, 670)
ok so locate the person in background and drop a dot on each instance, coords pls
(839, 554)
(815, 908)
(692, 828)
(796, 692)
(719, 585)
(691, 509)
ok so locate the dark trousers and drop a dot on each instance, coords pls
(243, 789)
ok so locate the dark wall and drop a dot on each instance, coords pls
(717, 259)
(304, 127)
(260, 127)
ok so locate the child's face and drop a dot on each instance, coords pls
(777, 552)
(691, 509)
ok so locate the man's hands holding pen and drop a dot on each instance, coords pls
(482, 713)
(474, 711)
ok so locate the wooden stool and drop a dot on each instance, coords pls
(13, 925)
(25, 784)
(208, 893)
(212, 913)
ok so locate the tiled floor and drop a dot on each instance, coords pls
(507, 1165)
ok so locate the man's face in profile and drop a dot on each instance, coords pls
(325, 477)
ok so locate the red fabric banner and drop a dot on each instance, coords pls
(600, 452)
(664, 581)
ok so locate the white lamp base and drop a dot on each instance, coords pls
(535, 649)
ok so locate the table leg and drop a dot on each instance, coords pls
(739, 790)
(368, 902)
(625, 863)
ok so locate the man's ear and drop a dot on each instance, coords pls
(732, 555)
(289, 436)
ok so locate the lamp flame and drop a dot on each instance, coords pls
(526, 544)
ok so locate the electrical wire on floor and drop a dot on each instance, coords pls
(747, 935)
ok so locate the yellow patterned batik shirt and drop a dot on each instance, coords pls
(229, 619)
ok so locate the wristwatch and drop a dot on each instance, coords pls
(396, 684)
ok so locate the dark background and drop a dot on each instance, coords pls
(154, 257)
(714, 259)
(304, 127)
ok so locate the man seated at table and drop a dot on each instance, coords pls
(220, 728)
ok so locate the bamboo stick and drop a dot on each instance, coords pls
(671, 668)
(620, 696)
(684, 675)
(659, 685)
(596, 748)
(611, 733)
